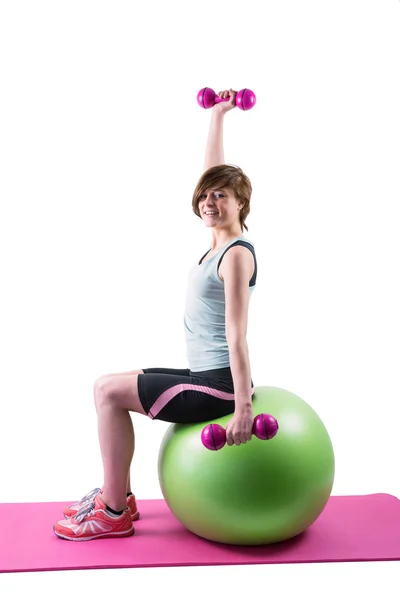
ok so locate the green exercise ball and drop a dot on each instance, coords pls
(261, 492)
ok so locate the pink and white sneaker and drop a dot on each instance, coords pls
(72, 509)
(92, 522)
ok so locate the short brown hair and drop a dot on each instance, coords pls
(228, 176)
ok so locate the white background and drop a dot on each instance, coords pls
(102, 143)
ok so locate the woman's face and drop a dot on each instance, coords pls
(221, 202)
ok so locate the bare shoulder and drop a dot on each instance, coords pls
(237, 258)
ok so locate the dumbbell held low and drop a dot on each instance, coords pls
(245, 98)
(265, 427)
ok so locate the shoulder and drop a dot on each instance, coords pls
(238, 262)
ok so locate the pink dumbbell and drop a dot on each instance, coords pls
(245, 99)
(265, 427)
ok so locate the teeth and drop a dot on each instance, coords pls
(211, 213)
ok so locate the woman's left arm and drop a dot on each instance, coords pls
(237, 272)
(241, 374)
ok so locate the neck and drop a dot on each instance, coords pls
(219, 239)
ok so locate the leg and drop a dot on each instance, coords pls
(115, 396)
(128, 483)
(137, 372)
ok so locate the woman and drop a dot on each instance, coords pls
(218, 381)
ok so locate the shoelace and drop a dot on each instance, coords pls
(85, 511)
(90, 495)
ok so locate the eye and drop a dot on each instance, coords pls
(216, 195)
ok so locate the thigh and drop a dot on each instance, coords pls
(122, 388)
(102, 381)
(137, 372)
(181, 396)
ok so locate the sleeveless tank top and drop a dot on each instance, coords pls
(204, 316)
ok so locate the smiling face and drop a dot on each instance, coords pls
(224, 206)
(226, 190)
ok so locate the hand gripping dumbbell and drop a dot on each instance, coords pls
(245, 99)
(265, 427)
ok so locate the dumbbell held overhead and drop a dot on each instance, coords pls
(245, 99)
(265, 427)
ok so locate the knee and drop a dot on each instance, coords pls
(102, 389)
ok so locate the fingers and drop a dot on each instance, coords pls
(227, 93)
(238, 438)
(236, 441)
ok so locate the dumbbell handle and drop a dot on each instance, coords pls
(219, 99)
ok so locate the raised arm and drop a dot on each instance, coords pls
(215, 144)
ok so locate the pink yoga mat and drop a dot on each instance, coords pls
(351, 528)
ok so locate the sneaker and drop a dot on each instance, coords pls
(71, 510)
(92, 522)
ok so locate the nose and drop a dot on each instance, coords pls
(208, 198)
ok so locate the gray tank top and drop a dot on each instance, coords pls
(204, 316)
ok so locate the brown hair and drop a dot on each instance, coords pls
(228, 176)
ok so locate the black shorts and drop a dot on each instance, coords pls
(184, 396)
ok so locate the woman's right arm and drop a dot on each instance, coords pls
(215, 145)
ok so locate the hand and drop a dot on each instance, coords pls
(224, 107)
(240, 428)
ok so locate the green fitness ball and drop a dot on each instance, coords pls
(261, 492)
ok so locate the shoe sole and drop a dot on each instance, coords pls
(128, 533)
